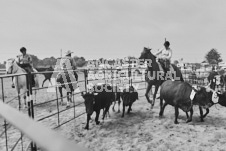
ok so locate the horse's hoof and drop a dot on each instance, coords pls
(176, 122)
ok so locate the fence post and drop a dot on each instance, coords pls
(30, 103)
(85, 78)
(58, 110)
(5, 125)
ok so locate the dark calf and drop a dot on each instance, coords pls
(47, 75)
(100, 97)
(221, 99)
(128, 97)
(178, 94)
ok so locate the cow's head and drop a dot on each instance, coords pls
(89, 101)
(218, 97)
(203, 97)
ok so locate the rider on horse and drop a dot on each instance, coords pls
(164, 55)
(25, 62)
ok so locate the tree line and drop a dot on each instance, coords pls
(213, 57)
(47, 62)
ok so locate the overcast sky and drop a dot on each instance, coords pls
(112, 28)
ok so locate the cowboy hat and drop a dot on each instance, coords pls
(68, 52)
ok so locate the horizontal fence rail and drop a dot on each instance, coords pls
(44, 137)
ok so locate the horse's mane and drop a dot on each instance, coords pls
(148, 52)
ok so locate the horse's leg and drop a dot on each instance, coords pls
(113, 108)
(35, 95)
(13, 85)
(50, 81)
(43, 82)
(61, 95)
(154, 96)
(25, 100)
(19, 98)
(68, 99)
(119, 105)
(147, 93)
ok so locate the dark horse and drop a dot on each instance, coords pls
(153, 77)
(47, 74)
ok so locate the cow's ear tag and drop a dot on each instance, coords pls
(192, 95)
(215, 97)
(95, 93)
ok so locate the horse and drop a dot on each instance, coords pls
(67, 79)
(20, 82)
(47, 75)
(154, 71)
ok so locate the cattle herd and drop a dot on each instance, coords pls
(179, 94)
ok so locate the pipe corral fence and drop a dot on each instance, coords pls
(16, 136)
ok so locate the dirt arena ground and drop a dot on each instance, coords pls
(142, 130)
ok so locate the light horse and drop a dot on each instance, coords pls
(66, 79)
(152, 76)
(20, 82)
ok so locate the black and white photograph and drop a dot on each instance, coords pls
(113, 75)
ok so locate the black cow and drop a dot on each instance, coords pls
(100, 97)
(128, 96)
(177, 94)
(221, 99)
(216, 80)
